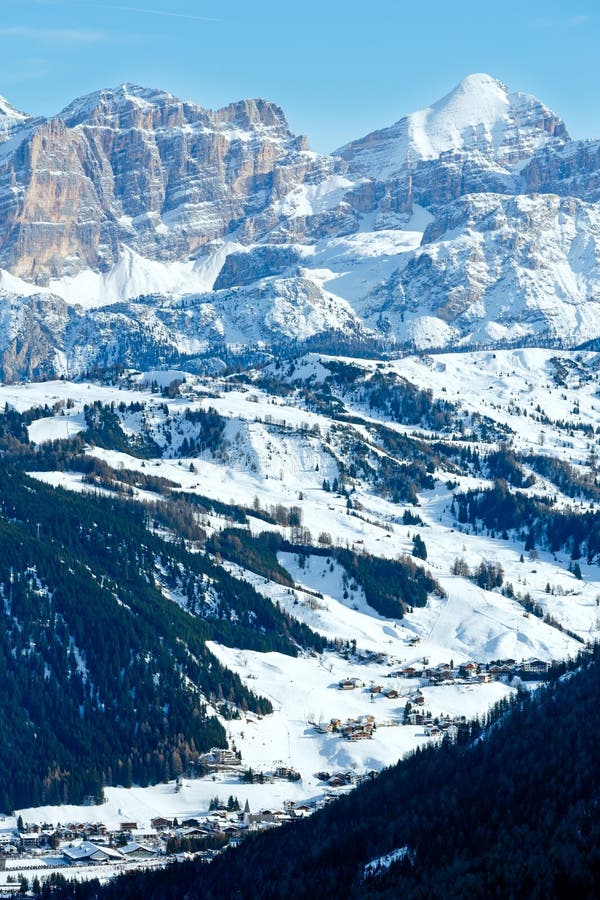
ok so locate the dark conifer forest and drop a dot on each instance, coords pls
(532, 520)
(103, 680)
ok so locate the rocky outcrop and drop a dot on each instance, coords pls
(33, 335)
(42, 337)
(572, 170)
(140, 167)
(494, 268)
(472, 140)
(245, 267)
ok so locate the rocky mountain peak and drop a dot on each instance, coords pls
(433, 230)
(479, 116)
(137, 167)
(133, 106)
(8, 110)
(248, 114)
(127, 106)
(11, 119)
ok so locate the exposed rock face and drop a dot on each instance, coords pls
(473, 220)
(243, 268)
(33, 332)
(572, 170)
(495, 267)
(140, 167)
(471, 140)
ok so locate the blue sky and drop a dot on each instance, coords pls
(339, 69)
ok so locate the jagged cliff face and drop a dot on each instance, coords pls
(572, 170)
(141, 168)
(473, 220)
(33, 331)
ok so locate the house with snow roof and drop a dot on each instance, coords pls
(87, 852)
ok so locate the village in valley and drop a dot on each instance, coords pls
(415, 712)
(35, 851)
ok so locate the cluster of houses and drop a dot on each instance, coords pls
(363, 727)
(350, 684)
(46, 848)
(445, 673)
(441, 726)
(352, 729)
(472, 672)
(349, 778)
(220, 760)
(90, 852)
(530, 668)
(280, 773)
(232, 825)
(75, 841)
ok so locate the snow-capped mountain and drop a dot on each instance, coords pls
(11, 119)
(479, 116)
(441, 228)
(499, 268)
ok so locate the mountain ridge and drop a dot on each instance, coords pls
(131, 192)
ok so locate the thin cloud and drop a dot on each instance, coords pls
(140, 10)
(570, 22)
(61, 35)
(159, 12)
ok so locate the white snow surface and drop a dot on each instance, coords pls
(134, 276)
(380, 863)
(11, 284)
(352, 266)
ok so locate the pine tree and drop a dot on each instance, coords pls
(419, 548)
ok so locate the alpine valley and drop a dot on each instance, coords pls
(299, 482)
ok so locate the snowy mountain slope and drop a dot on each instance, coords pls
(46, 337)
(478, 116)
(183, 234)
(493, 267)
(522, 389)
(11, 120)
(134, 276)
(278, 452)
